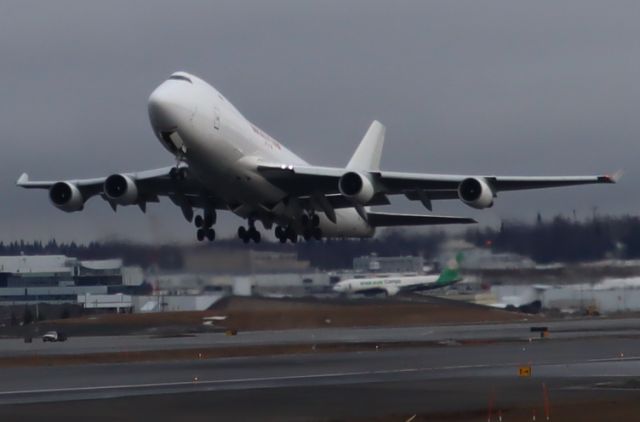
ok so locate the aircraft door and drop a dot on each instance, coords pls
(216, 118)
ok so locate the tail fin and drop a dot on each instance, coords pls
(451, 274)
(369, 152)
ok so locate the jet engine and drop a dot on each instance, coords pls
(121, 189)
(356, 186)
(476, 193)
(392, 290)
(66, 196)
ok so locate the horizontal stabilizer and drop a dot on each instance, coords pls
(385, 219)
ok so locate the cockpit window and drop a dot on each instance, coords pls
(180, 78)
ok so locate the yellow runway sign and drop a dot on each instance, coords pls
(524, 371)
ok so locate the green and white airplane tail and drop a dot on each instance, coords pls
(451, 274)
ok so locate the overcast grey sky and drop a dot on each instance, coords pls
(505, 87)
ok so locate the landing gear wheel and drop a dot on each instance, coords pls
(211, 235)
(199, 221)
(315, 220)
(317, 233)
(200, 235)
(307, 234)
(248, 235)
(305, 220)
(280, 232)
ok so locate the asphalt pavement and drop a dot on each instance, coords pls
(578, 359)
(566, 329)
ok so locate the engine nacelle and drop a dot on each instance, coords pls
(356, 186)
(392, 290)
(66, 196)
(476, 193)
(121, 189)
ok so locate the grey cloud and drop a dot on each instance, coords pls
(480, 87)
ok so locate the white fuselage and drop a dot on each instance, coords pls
(223, 150)
(390, 284)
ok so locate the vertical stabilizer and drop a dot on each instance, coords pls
(369, 152)
(451, 274)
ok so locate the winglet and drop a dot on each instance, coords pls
(610, 178)
(615, 177)
(369, 152)
(23, 179)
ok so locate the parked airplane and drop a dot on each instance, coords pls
(394, 284)
(225, 162)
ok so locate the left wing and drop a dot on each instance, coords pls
(132, 188)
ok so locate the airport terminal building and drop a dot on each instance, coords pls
(57, 279)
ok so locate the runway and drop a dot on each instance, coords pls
(292, 385)
(567, 329)
(583, 359)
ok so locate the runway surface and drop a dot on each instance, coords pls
(468, 374)
(494, 331)
(582, 359)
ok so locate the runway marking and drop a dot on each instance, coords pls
(244, 380)
(615, 359)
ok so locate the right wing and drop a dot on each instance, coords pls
(307, 180)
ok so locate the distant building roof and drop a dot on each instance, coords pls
(20, 264)
(36, 264)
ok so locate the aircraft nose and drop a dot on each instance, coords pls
(168, 108)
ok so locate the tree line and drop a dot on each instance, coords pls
(560, 239)
(564, 239)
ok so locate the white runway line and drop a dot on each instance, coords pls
(297, 377)
(244, 380)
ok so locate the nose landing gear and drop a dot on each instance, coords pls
(178, 173)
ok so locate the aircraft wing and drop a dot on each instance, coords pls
(401, 182)
(185, 192)
(304, 180)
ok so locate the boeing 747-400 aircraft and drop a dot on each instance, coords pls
(224, 162)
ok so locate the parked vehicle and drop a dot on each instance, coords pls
(54, 336)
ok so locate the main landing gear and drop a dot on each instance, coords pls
(310, 230)
(204, 224)
(286, 233)
(249, 234)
